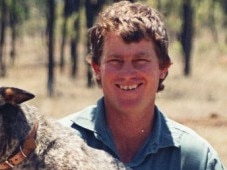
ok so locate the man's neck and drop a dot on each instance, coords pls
(130, 123)
(129, 131)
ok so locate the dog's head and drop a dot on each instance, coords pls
(14, 125)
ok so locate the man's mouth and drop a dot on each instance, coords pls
(128, 87)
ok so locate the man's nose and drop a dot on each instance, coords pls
(128, 69)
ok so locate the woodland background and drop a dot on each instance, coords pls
(43, 49)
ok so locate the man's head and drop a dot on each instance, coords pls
(132, 22)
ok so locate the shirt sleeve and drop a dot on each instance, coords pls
(214, 163)
(197, 153)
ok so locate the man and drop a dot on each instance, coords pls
(129, 46)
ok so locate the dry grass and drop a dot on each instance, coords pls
(198, 101)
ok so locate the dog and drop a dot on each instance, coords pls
(31, 141)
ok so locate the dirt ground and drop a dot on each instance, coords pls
(198, 101)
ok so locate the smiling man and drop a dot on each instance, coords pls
(129, 47)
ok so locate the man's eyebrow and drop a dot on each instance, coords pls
(141, 54)
(114, 56)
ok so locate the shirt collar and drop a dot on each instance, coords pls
(93, 118)
(164, 133)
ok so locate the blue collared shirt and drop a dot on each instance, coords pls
(170, 146)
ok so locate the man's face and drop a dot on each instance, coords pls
(129, 73)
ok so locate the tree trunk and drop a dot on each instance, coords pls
(13, 43)
(187, 35)
(74, 43)
(62, 52)
(225, 17)
(212, 22)
(2, 38)
(74, 57)
(51, 41)
(13, 32)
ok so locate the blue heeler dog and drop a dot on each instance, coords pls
(28, 140)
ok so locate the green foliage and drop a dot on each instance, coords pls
(19, 9)
(207, 13)
(32, 14)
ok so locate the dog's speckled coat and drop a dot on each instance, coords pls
(58, 148)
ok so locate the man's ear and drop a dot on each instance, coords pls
(96, 69)
(164, 72)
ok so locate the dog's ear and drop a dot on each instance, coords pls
(14, 95)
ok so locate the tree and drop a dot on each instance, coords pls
(51, 45)
(187, 34)
(3, 21)
(18, 13)
(212, 22)
(13, 21)
(224, 6)
(74, 44)
(70, 7)
(13, 13)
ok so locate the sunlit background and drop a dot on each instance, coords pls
(43, 49)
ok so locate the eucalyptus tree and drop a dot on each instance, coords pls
(224, 7)
(51, 45)
(71, 11)
(187, 34)
(13, 14)
(19, 12)
(47, 10)
(3, 14)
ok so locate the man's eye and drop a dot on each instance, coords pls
(141, 61)
(115, 61)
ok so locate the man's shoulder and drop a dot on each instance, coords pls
(186, 135)
(194, 148)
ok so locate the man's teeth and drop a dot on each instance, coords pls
(132, 87)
